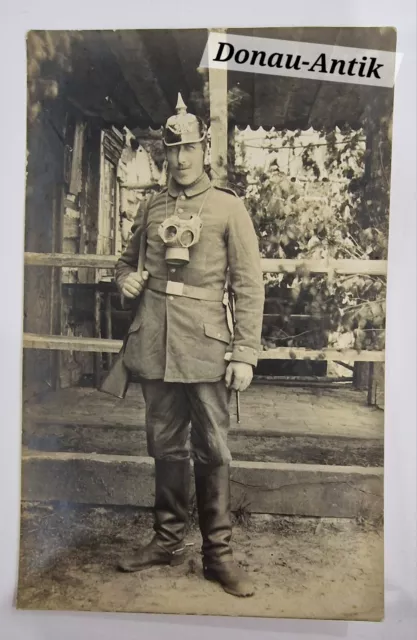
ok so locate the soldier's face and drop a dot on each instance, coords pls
(186, 162)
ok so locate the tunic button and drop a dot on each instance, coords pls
(173, 270)
(182, 197)
(241, 348)
(171, 297)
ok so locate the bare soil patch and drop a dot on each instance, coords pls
(302, 567)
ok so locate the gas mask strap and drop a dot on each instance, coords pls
(176, 202)
(204, 201)
(166, 205)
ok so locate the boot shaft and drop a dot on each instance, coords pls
(214, 514)
(172, 499)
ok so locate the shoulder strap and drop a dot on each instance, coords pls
(227, 190)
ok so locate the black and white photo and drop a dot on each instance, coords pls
(206, 244)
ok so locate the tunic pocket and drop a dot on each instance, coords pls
(131, 356)
(216, 332)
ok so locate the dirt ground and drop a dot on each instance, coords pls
(302, 567)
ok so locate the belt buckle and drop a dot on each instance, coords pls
(174, 288)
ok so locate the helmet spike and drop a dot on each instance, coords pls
(181, 106)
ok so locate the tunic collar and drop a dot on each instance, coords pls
(199, 186)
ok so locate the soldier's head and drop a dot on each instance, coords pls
(185, 138)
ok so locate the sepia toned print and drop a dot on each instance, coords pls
(204, 330)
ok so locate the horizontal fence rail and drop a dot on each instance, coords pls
(105, 345)
(269, 265)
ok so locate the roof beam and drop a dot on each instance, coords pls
(132, 56)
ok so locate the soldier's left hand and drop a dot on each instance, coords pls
(238, 376)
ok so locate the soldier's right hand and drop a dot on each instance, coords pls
(134, 284)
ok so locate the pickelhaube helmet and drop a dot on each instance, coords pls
(183, 127)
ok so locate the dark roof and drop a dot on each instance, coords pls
(133, 77)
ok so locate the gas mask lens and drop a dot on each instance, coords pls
(187, 238)
(170, 233)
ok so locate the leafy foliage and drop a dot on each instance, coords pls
(155, 147)
(48, 62)
(309, 310)
(200, 100)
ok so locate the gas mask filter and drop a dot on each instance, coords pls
(178, 236)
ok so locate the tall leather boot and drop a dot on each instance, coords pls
(214, 514)
(172, 490)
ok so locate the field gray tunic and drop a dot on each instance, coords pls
(178, 339)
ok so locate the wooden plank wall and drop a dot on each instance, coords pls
(62, 201)
(80, 237)
(43, 219)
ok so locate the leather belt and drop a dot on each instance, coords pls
(187, 291)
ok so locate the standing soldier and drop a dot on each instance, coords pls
(181, 347)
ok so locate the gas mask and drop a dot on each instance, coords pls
(178, 236)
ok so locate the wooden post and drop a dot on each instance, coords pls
(218, 124)
(55, 325)
(42, 233)
(361, 374)
(77, 158)
(98, 364)
(109, 327)
(371, 395)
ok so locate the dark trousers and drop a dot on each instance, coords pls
(184, 420)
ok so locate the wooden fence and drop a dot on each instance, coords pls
(103, 345)
(340, 267)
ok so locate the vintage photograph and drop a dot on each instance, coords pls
(204, 322)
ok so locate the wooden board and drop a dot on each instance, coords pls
(263, 445)
(277, 488)
(269, 265)
(105, 345)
